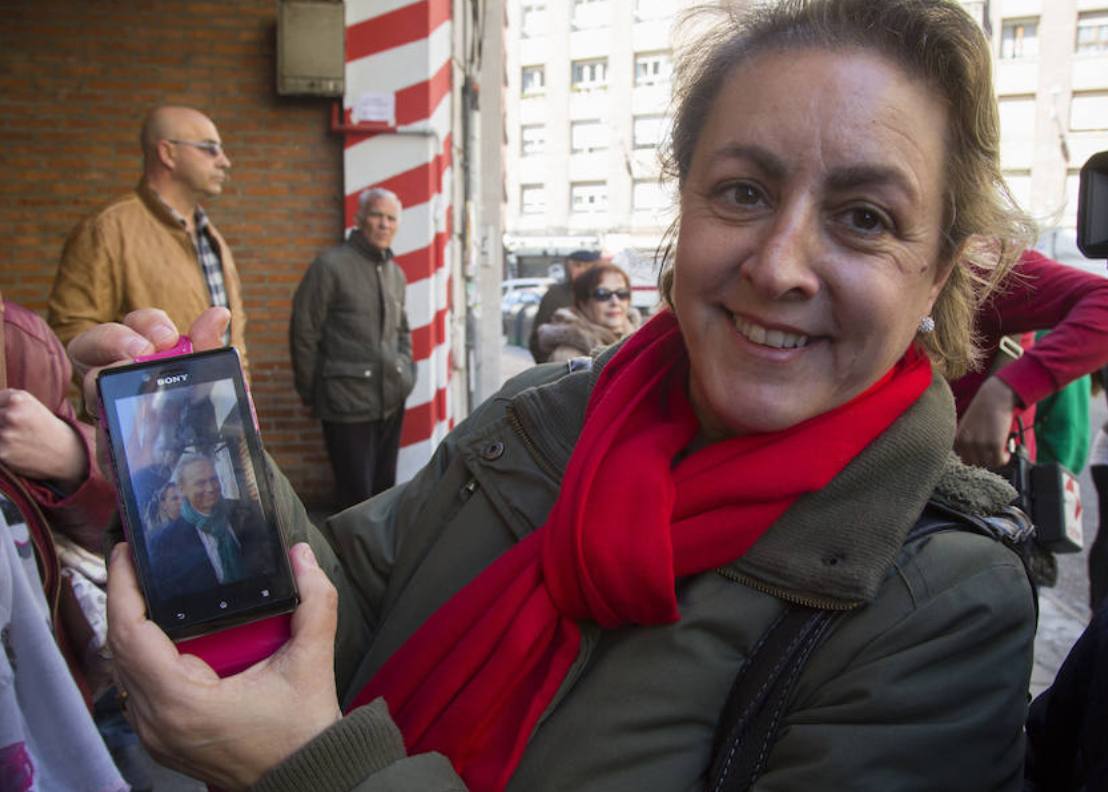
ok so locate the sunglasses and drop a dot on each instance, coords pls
(604, 295)
(209, 147)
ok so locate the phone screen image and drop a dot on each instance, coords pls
(196, 502)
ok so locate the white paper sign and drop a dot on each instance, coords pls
(375, 106)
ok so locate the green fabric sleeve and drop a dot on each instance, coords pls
(1062, 426)
(363, 751)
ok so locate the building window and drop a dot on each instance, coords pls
(1019, 38)
(1092, 32)
(532, 139)
(1089, 111)
(532, 18)
(591, 14)
(652, 68)
(648, 195)
(586, 74)
(653, 9)
(588, 197)
(588, 136)
(533, 80)
(532, 199)
(648, 131)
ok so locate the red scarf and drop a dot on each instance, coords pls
(473, 681)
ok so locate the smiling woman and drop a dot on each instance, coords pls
(562, 599)
(822, 229)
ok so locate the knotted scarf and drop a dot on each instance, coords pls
(474, 679)
(214, 524)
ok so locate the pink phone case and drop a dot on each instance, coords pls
(233, 649)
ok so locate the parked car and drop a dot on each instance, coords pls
(519, 300)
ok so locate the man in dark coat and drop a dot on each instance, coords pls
(560, 295)
(214, 541)
(351, 350)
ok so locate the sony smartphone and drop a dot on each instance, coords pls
(194, 495)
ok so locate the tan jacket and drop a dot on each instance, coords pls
(133, 254)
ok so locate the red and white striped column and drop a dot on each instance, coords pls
(396, 117)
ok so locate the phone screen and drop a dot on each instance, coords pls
(193, 492)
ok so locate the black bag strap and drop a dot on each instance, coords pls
(749, 721)
(751, 716)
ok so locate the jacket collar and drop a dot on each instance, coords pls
(357, 240)
(161, 210)
(836, 545)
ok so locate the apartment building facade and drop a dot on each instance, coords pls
(1051, 61)
(588, 103)
(588, 95)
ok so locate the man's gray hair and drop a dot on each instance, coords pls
(369, 196)
(190, 458)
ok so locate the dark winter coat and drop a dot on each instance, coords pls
(349, 340)
(921, 686)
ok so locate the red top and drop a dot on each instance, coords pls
(36, 362)
(1042, 294)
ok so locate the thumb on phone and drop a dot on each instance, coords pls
(312, 645)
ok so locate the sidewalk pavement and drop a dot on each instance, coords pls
(1060, 625)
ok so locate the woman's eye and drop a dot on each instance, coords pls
(742, 194)
(867, 220)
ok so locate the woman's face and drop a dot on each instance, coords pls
(171, 502)
(611, 312)
(809, 236)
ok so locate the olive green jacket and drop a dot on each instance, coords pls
(349, 340)
(922, 686)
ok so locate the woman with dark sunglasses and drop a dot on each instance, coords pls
(600, 316)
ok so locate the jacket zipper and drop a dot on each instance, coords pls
(787, 596)
(532, 448)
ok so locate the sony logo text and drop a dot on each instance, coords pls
(173, 380)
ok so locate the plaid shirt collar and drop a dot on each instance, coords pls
(207, 253)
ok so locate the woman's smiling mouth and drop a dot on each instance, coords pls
(777, 339)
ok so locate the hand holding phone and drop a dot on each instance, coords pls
(228, 731)
(196, 505)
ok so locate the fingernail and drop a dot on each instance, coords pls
(117, 549)
(137, 346)
(162, 334)
(307, 556)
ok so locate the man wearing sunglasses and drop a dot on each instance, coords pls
(155, 247)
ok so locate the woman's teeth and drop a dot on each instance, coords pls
(778, 339)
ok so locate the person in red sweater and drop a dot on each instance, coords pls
(1040, 294)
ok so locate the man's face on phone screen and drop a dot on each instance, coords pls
(200, 485)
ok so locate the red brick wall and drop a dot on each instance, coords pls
(76, 79)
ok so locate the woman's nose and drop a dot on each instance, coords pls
(783, 262)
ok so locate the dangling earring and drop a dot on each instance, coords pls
(927, 325)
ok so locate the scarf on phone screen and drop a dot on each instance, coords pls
(474, 679)
(216, 525)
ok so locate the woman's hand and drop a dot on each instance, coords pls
(39, 445)
(229, 731)
(982, 437)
